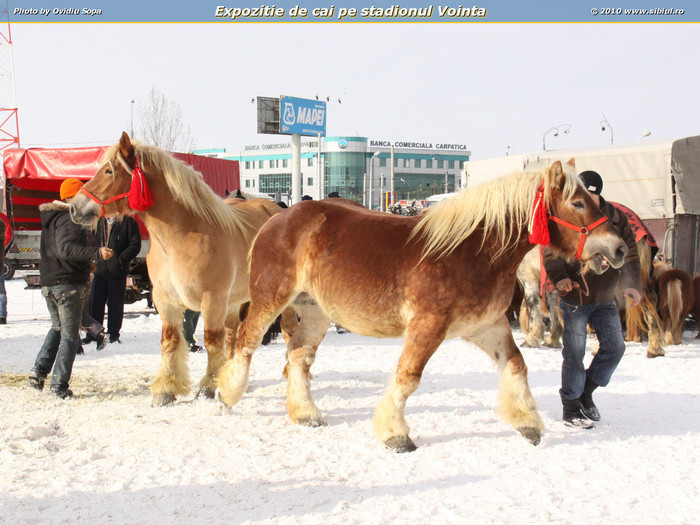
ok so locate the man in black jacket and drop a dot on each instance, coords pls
(124, 238)
(66, 255)
(590, 298)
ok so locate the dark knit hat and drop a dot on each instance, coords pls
(592, 181)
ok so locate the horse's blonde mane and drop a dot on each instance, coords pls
(502, 207)
(187, 187)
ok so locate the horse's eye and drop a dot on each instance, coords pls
(579, 205)
(108, 172)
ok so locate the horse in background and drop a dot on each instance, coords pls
(676, 300)
(448, 273)
(536, 298)
(198, 252)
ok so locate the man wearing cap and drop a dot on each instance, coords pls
(590, 298)
(64, 272)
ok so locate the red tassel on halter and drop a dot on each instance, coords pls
(539, 220)
(139, 194)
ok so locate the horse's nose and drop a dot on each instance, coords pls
(621, 252)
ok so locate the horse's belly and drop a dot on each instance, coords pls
(373, 320)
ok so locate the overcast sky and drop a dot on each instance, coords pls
(489, 86)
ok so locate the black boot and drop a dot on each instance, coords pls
(573, 416)
(587, 405)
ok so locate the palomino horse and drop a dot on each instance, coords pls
(197, 257)
(448, 273)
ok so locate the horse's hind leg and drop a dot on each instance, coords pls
(173, 376)
(516, 404)
(535, 332)
(423, 336)
(301, 353)
(556, 327)
(233, 376)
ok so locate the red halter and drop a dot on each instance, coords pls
(104, 202)
(583, 230)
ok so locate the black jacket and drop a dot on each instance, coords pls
(66, 252)
(601, 287)
(124, 239)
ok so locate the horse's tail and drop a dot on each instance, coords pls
(645, 261)
(674, 294)
(634, 320)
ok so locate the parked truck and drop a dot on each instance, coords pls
(660, 181)
(33, 176)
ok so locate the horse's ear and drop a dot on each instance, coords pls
(572, 162)
(556, 176)
(126, 148)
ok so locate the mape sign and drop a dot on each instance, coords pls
(301, 116)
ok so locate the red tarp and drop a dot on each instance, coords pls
(34, 176)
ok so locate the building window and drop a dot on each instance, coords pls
(396, 162)
(440, 164)
(309, 181)
(284, 163)
(382, 162)
(429, 163)
(309, 161)
(247, 164)
(260, 164)
(247, 183)
(417, 163)
(254, 182)
(450, 164)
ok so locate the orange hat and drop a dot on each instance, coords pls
(70, 188)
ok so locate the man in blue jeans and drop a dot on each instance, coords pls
(590, 298)
(64, 271)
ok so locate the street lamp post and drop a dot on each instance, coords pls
(132, 117)
(605, 124)
(371, 180)
(561, 128)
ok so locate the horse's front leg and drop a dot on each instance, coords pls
(423, 336)
(516, 404)
(214, 313)
(173, 378)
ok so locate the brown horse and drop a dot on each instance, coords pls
(676, 300)
(448, 273)
(197, 257)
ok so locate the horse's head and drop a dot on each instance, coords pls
(106, 194)
(577, 227)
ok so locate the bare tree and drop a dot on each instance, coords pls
(161, 124)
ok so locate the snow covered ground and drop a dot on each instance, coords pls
(107, 456)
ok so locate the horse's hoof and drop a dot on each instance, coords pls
(532, 434)
(311, 422)
(160, 400)
(205, 392)
(550, 344)
(652, 355)
(529, 344)
(400, 444)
